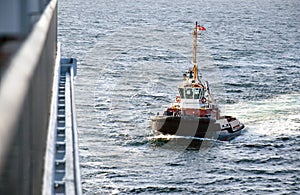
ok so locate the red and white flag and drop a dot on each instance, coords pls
(201, 28)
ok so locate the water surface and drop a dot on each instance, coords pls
(131, 57)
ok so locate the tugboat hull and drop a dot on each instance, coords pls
(227, 136)
(200, 127)
(186, 126)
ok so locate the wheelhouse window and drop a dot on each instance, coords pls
(189, 93)
(197, 93)
(181, 93)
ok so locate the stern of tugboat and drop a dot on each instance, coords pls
(200, 127)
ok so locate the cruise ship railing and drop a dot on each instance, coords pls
(62, 175)
(26, 90)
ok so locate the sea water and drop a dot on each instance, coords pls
(131, 57)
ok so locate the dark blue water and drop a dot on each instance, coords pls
(131, 57)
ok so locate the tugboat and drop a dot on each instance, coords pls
(194, 112)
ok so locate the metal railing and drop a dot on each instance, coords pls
(38, 138)
(26, 91)
(62, 174)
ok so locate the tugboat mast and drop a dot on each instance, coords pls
(195, 45)
(195, 67)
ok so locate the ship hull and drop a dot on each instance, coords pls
(200, 127)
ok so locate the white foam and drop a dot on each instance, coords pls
(279, 115)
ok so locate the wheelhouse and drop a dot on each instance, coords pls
(191, 92)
